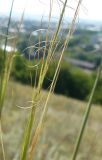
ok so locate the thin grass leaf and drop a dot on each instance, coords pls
(8, 26)
(2, 143)
(5, 72)
(86, 116)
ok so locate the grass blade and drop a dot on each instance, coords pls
(86, 115)
(5, 74)
(8, 26)
(2, 144)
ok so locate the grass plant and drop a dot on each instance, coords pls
(40, 125)
(35, 98)
(4, 78)
(7, 67)
(43, 72)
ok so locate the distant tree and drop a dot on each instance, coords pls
(22, 45)
(89, 48)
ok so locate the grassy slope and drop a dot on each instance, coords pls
(61, 126)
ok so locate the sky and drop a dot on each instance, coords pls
(89, 10)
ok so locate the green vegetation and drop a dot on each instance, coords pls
(76, 82)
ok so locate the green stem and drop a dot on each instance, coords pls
(8, 26)
(78, 142)
(6, 67)
(41, 79)
(3, 87)
(27, 135)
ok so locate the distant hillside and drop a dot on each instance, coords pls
(61, 126)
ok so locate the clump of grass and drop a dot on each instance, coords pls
(7, 67)
(40, 125)
(7, 63)
(36, 96)
(8, 59)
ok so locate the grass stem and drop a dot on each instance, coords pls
(43, 72)
(86, 116)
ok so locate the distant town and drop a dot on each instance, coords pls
(84, 49)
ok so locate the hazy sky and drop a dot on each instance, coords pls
(90, 9)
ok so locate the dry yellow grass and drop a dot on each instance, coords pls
(61, 126)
